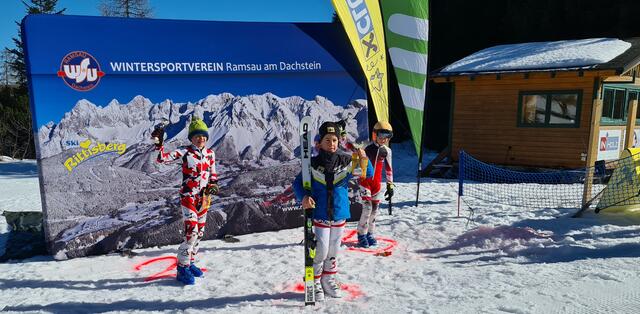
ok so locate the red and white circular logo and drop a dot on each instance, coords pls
(80, 71)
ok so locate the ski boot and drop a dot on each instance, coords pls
(195, 271)
(319, 293)
(371, 240)
(331, 286)
(362, 241)
(185, 276)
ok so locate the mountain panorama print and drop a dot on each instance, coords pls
(104, 192)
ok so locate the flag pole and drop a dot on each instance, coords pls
(420, 152)
(426, 97)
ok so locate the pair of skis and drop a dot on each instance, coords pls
(309, 236)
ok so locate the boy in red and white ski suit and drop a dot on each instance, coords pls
(379, 155)
(198, 174)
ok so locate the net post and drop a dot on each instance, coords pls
(460, 177)
(631, 123)
(594, 141)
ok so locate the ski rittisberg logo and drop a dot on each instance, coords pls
(80, 71)
(88, 152)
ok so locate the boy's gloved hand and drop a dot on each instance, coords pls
(389, 192)
(158, 137)
(212, 188)
(308, 202)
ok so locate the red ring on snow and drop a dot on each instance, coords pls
(350, 240)
(168, 272)
(353, 290)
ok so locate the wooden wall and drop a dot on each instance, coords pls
(485, 117)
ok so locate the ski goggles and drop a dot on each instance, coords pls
(384, 133)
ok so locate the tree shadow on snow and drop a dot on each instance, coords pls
(423, 180)
(172, 249)
(576, 228)
(104, 284)
(438, 250)
(442, 219)
(561, 254)
(180, 304)
(164, 250)
(18, 170)
(249, 247)
(538, 241)
(397, 205)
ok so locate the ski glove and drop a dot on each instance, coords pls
(158, 137)
(389, 192)
(212, 189)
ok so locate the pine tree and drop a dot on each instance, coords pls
(16, 132)
(125, 8)
(6, 73)
(17, 63)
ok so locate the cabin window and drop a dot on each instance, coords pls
(549, 109)
(633, 95)
(615, 105)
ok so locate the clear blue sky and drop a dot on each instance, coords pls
(215, 10)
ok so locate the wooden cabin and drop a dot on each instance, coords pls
(553, 114)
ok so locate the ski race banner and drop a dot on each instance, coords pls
(407, 31)
(363, 24)
(99, 86)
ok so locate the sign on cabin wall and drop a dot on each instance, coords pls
(636, 138)
(609, 144)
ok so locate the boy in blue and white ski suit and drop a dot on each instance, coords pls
(330, 174)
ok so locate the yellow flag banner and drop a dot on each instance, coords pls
(621, 193)
(362, 22)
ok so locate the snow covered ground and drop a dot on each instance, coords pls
(19, 190)
(505, 260)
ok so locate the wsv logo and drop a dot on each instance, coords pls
(80, 71)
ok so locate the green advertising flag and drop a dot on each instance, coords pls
(406, 25)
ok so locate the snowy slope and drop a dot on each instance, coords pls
(506, 260)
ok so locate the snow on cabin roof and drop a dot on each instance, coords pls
(565, 54)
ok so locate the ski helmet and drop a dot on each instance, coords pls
(383, 125)
(382, 129)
